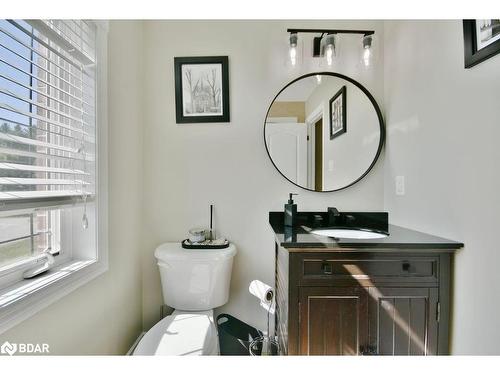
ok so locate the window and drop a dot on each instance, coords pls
(49, 133)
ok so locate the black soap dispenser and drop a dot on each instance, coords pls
(290, 211)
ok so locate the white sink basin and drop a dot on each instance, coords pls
(356, 234)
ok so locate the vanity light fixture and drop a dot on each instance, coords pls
(326, 44)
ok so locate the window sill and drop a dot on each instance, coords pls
(25, 298)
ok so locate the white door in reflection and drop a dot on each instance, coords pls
(287, 146)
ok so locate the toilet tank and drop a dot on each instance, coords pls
(194, 280)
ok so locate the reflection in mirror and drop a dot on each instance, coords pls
(323, 132)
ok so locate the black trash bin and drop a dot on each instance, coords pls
(234, 335)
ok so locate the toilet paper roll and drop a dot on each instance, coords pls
(264, 293)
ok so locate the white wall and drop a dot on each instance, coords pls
(187, 167)
(105, 316)
(443, 125)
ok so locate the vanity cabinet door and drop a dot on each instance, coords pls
(403, 321)
(332, 320)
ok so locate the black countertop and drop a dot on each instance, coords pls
(399, 238)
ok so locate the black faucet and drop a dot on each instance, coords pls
(333, 214)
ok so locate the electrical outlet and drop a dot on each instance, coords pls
(400, 185)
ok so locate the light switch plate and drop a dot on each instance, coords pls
(400, 185)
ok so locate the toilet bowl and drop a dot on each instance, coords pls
(194, 282)
(182, 333)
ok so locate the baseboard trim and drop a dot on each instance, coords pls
(136, 342)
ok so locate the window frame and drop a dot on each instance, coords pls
(35, 294)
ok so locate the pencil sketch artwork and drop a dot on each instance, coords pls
(337, 115)
(202, 89)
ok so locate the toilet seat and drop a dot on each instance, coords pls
(182, 333)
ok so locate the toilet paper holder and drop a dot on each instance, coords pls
(265, 294)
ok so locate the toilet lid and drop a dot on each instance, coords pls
(182, 333)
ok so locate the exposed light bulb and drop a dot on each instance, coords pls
(293, 55)
(293, 48)
(329, 54)
(328, 48)
(366, 56)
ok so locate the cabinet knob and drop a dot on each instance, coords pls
(326, 268)
(406, 266)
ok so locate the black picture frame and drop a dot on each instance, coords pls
(472, 55)
(179, 62)
(342, 94)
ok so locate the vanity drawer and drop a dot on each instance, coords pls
(400, 269)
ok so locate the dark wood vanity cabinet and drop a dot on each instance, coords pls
(405, 320)
(332, 321)
(362, 302)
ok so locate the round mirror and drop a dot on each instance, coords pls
(324, 131)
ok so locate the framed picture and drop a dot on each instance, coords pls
(481, 40)
(338, 113)
(201, 89)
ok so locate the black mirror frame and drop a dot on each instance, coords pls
(377, 110)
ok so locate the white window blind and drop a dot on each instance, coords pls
(53, 219)
(47, 112)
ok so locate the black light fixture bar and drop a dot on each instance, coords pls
(331, 31)
(317, 40)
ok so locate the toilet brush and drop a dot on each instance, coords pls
(212, 236)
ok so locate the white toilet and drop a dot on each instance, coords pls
(194, 282)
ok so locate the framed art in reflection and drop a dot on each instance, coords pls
(338, 112)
